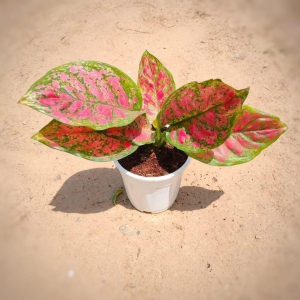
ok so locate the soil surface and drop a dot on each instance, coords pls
(233, 232)
(150, 161)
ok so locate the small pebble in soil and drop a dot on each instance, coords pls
(177, 226)
(71, 273)
(240, 55)
(126, 229)
(57, 177)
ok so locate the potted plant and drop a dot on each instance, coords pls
(100, 114)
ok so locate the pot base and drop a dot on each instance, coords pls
(150, 212)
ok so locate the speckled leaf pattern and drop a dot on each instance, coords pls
(253, 132)
(86, 93)
(205, 157)
(156, 84)
(84, 142)
(138, 132)
(201, 115)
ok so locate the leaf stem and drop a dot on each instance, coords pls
(159, 141)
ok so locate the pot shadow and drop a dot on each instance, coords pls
(195, 197)
(90, 191)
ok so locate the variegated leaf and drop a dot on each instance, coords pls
(84, 142)
(86, 93)
(205, 157)
(201, 115)
(138, 132)
(156, 84)
(253, 132)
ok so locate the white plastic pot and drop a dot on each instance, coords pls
(152, 194)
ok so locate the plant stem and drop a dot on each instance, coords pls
(159, 141)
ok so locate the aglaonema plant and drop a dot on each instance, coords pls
(100, 114)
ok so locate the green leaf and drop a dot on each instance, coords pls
(86, 93)
(115, 195)
(253, 132)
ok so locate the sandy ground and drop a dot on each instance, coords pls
(233, 233)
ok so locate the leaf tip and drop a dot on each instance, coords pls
(148, 54)
(247, 89)
(36, 136)
(284, 127)
(22, 100)
(245, 92)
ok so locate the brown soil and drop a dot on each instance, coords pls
(150, 161)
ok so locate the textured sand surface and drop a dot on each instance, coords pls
(233, 233)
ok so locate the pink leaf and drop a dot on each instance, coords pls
(254, 131)
(156, 84)
(88, 93)
(84, 142)
(138, 132)
(201, 115)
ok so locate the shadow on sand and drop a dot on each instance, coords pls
(90, 192)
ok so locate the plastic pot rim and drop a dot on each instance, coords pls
(152, 179)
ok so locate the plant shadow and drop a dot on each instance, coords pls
(90, 191)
